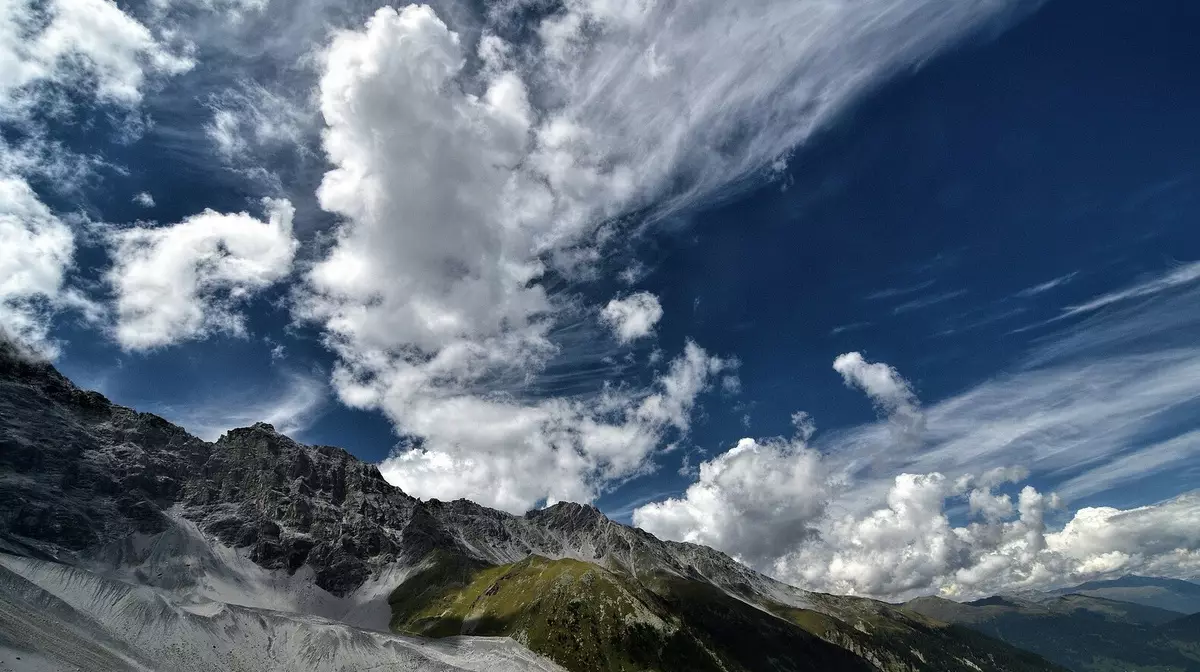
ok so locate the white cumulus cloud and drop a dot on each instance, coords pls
(757, 500)
(430, 292)
(910, 547)
(465, 169)
(435, 249)
(771, 504)
(186, 280)
(512, 455)
(890, 393)
(75, 42)
(633, 316)
(38, 250)
(100, 54)
(882, 383)
(956, 517)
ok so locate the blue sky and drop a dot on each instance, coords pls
(994, 203)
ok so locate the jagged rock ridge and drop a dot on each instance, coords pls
(88, 473)
(258, 520)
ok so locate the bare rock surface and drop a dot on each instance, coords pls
(81, 476)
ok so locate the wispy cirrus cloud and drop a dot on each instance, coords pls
(1047, 285)
(927, 301)
(853, 326)
(1082, 399)
(291, 403)
(1135, 465)
(1183, 274)
(893, 292)
(1099, 405)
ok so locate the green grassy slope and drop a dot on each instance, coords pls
(589, 618)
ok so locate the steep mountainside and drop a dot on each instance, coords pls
(1185, 631)
(589, 618)
(1081, 606)
(1172, 594)
(139, 542)
(1080, 632)
(57, 617)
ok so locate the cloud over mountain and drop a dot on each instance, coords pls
(40, 249)
(818, 533)
(476, 223)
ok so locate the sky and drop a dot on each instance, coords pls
(881, 297)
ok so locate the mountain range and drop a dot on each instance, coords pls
(1082, 631)
(128, 544)
(1170, 594)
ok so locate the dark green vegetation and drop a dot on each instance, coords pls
(1086, 634)
(896, 639)
(586, 617)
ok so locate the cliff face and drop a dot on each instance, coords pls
(259, 521)
(78, 473)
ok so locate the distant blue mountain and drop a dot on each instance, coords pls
(1172, 594)
(1081, 632)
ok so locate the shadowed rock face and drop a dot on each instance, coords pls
(294, 505)
(80, 472)
(77, 471)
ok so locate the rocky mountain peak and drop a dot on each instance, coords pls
(20, 365)
(85, 473)
(569, 516)
(262, 430)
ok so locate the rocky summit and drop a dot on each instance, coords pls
(128, 544)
